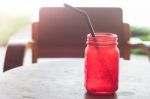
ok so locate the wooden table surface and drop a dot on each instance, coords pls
(64, 79)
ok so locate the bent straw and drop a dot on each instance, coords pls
(86, 16)
(91, 30)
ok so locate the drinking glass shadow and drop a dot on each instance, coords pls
(90, 96)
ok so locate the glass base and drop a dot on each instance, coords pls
(101, 93)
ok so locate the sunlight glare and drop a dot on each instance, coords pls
(134, 12)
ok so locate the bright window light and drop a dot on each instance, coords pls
(134, 11)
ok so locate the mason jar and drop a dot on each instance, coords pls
(101, 63)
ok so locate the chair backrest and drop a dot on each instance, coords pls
(62, 32)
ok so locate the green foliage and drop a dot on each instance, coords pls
(137, 51)
(143, 33)
(143, 30)
(10, 26)
(145, 37)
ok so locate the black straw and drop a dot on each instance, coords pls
(86, 16)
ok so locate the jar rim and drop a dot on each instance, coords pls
(102, 38)
(103, 34)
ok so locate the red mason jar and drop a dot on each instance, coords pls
(101, 63)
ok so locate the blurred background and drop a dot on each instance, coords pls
(16, 16)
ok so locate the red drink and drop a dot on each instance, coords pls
(101, 63)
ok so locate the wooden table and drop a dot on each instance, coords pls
(64, 79)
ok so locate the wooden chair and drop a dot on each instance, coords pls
(62, 32)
